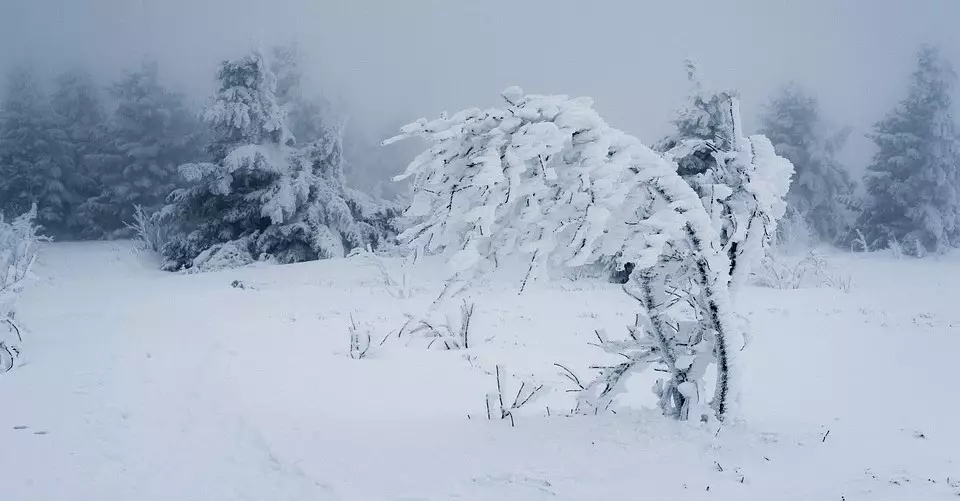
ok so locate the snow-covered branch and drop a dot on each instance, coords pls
(19, 241)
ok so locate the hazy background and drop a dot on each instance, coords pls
(390, 61)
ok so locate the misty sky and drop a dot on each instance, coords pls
(388, 61)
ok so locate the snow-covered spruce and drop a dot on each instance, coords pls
(149, 134)
(821, 195)
(741, 180)
(913, 183)
(548, 178)
(261, 197)
(18, 251)
(79, 113)
(35, 164)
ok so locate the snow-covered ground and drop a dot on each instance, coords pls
(144, 385)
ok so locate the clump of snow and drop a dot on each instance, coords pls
(225, 256)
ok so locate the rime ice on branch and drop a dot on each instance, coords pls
(18, 251)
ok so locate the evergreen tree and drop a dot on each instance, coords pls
(821, 190)
(34, 157)
(80, 115)
(913, 181)
(261, 196)
(151, 132)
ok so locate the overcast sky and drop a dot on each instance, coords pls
(392, 60)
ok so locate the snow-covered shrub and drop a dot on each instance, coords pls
(152, 231)
(782, 272)
(896, 249)
(396, 285)
(859, 242)
(794, 234)
(546, 177)
(503, 403)
(913, 245)
(360, 341)
(451, 334)
(776, 273)
(19, 241)
(261, 197)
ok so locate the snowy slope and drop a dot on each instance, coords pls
(145, 385)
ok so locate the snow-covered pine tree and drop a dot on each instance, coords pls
(913, 184)
(260, 197)
(151, 132)
(740, 179)
(34, 160)
(822, 189)
(81, 116)
(546, 177)
(19, 240)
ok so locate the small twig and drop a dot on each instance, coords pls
(529, 397)
(517, 398)
(500, 391)
(569, 374)
(13, 325)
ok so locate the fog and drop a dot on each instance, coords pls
(385, 62)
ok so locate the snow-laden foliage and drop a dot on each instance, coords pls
(18, 250)
(149, 134)
(548, 178)
(35, 164)
(912, 183)
(80, 115)
(822, 189)
(261, 197)
(740, 180)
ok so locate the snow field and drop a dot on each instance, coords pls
(140, 384)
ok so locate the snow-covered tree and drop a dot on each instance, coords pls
(822, 190)
(35, 164)
(912, 183)
(80, 115)
(546, 177)
(19, 240)
(261, 196)
(151, 132)
(741, 180)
